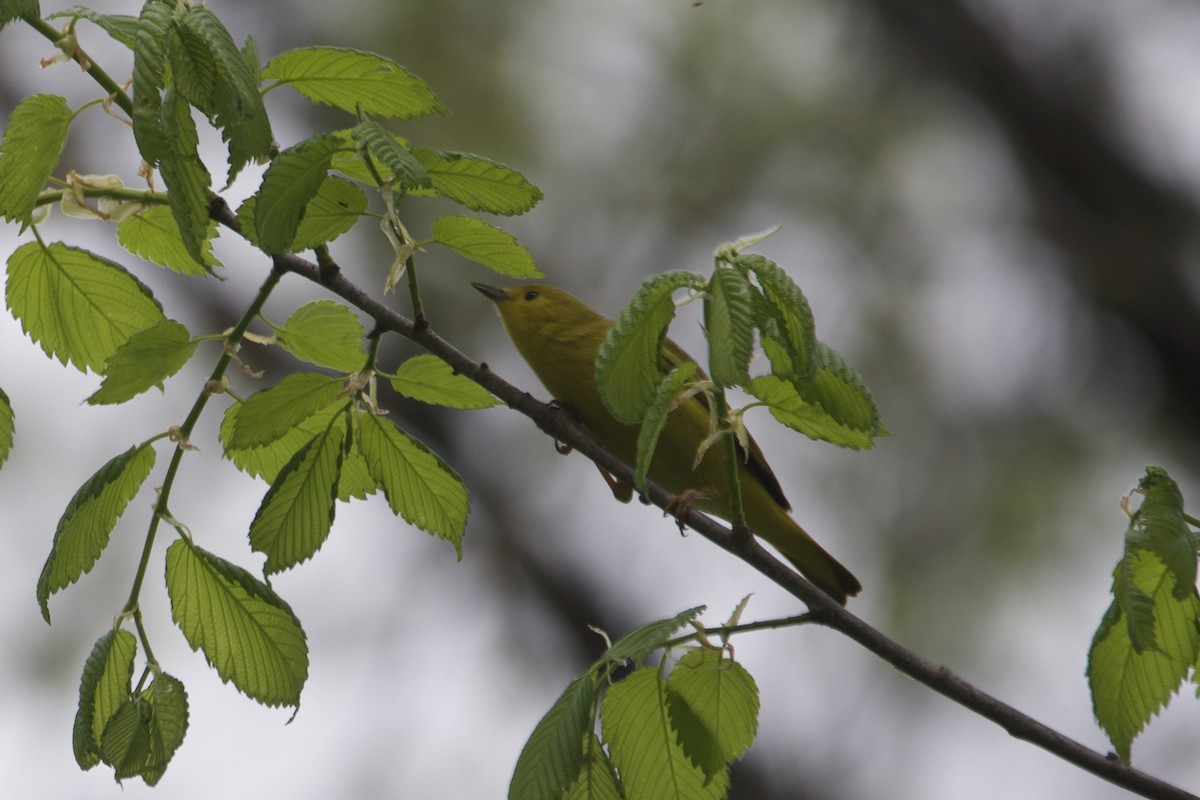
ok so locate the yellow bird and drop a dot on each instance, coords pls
(560, 337)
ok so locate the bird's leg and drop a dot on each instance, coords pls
(681, 503)
(620, 491)
(562, 447)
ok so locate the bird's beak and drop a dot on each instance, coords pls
(491, 292)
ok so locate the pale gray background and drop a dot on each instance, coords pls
(985, 297)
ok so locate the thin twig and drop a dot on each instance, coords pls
(562, 426)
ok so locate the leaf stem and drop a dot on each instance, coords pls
(732, 457)
(415, 292)
(725, 631)
(144, 196)
(160, 507)
(151, 661)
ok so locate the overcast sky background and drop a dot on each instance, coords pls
(984, 528)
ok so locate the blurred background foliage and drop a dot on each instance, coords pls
(992, 207)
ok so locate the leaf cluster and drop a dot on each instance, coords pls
(748, 301)
(318, 436)
(659, 735)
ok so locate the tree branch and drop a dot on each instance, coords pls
(561, 425)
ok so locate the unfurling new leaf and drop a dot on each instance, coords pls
(628, 370)
(834, 406)
(656, 418)
(406, 170)
(729, 327)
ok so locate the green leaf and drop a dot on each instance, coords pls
(334, 210)
(237, 104)
(297, 512)
(125, 744)
(168, 721)
(248, 634)
(1161, 528)
(144, 733)
(8, 426)
(784, 319)
(1128, 685)
(729, 327)
(833, 406)
(86, 524)
(269, 414)
(597, 780)
(349, 161)
(154, 235)
(656, 418)
(78, 306)
(635, 723)
(149, 73)
(250, 55)
(103, 688)
(841, 392)
(186, 176)
(713, 704)
(405, 168)
(642, 641)
(477, 183)
(29, 152)
(325, 333)
(418, 484)
(193, 71)
(292, 180)
(1148, 639)
(265, 461)
(429, 379)
(121, 27)
(145, 361)
(353, 80)
(18, 9)
(551, 758)
(628, 369)
(485, 244)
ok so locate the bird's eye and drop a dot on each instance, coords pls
(531, 294)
